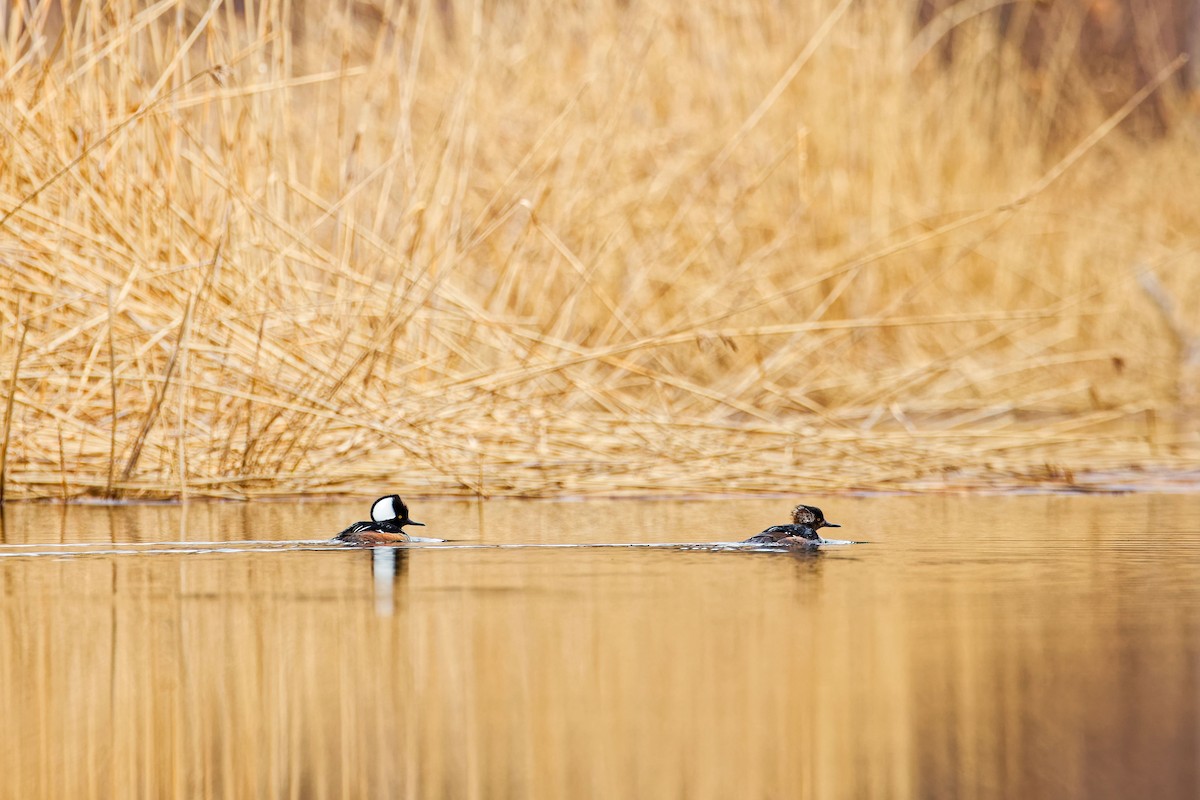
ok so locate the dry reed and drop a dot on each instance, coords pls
(534, 250)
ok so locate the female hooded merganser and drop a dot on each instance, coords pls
(806, 520)
(389, 515)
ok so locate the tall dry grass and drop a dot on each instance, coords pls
(512, 248)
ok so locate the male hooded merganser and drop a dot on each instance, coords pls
(806, 520)
(389, 515)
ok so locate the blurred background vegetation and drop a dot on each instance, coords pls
(497, 248)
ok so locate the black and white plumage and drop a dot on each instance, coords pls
(802, 532)
(389, 515)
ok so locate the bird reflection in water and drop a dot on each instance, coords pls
(388, 565)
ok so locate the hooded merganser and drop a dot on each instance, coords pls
(806, 520)
(389, 515)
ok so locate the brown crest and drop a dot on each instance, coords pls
(803, 515)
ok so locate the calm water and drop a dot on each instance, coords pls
(976, 647)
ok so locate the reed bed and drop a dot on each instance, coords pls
(529, 249)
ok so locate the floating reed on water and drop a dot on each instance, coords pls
(501, 249)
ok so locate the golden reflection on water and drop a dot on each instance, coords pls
(978, 647)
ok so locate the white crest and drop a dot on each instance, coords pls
(384, 509)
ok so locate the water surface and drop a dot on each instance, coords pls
(1033, 646)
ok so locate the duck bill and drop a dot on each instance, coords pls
(414, 522)
(832, 525)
